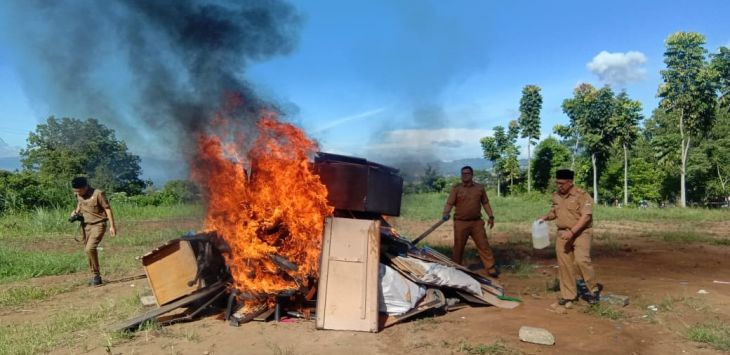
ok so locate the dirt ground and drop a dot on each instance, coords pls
(650, 271)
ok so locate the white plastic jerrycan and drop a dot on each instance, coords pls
(540, 235)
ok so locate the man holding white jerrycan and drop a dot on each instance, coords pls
(572, 210)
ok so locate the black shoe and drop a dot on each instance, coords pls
(564, 301)
(95, 281)
(493, 272)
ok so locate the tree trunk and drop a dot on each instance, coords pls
(595, 179)
(529, 170)
(575, 149)
(498, 183)
(722, 181)
(510, 185)
(683, 168)
(626, 176)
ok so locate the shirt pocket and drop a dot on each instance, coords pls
(91, 203)
(572, 206)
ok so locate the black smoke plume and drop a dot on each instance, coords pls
(153, 70)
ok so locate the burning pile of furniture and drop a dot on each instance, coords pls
(369, 277)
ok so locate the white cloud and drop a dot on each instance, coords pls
(338, 121)
(440, 143)
(618, 68)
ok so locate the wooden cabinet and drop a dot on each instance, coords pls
(348, 286)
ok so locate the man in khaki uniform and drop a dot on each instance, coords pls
(572, 210)
(94, 207)
(469, 197)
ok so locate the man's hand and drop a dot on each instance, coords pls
(569, 246)
(445, 217)
(566, 234)
(490, 222)
(113, 231)
(541, 219)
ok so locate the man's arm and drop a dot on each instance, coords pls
(487, 208)
(112, 225)
(449, 205)
(77, 209)
(108, 210)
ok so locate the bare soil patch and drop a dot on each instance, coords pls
(651, 272)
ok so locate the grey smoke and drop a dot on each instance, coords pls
(165, 66)
(448, 143)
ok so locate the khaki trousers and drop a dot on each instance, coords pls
(475, 229)
(575, 264)
(93, 234)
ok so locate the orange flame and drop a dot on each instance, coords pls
(278, 210)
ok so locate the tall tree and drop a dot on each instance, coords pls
(721, 64)
(570, 137)
(511, 153)
(591, 111)
(491, 151)
(499, 149)
(529, 121)
(717, 151)
(625, 128)
(688, 91)
(62, 148)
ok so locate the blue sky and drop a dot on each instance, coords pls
(392, 80)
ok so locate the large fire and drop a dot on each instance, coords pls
(266, 203)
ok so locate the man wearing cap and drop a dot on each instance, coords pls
(469, 197)
(572, 210)
(96, 211)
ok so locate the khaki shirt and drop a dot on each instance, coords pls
(93, 205)
(567, 209)
(468, 200)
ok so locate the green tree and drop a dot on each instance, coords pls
(717, 150)
(590, 111)
(529, 121)
(625, 127)
(500, 149)
(492, 150)
(63, 148)
(570, 138)
(431, 179)
(689, 92)
(550, 155)
(721, 65)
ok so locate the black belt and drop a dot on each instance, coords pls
(467, 220)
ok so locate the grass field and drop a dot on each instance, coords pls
(428, 207)
(40, 243)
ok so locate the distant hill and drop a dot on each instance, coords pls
(158, 170)
(413, 169)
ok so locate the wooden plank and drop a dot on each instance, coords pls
(323, 272)
(136, 321)
(348, 287)
(169, 269)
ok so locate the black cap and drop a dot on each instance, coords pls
(564, 174)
